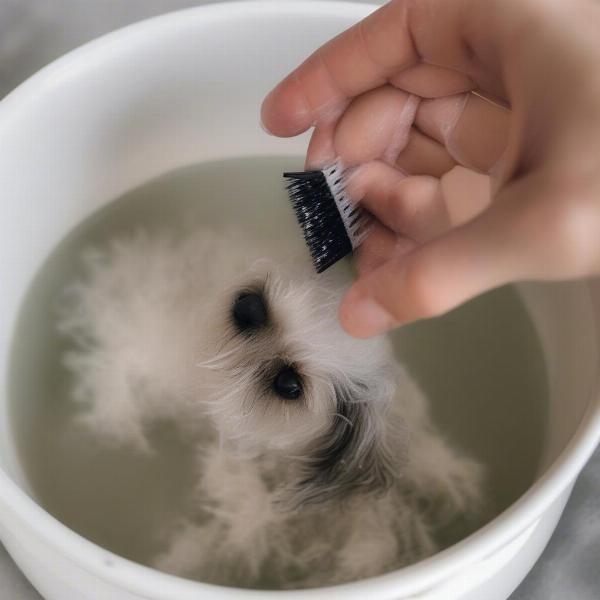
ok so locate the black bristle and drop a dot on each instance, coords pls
(318, 215)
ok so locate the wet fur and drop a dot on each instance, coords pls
(350, 480)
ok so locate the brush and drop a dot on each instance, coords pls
(333, 225)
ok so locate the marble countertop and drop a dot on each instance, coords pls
(34, 32)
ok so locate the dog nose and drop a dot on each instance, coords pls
(250, 311)
(287, 384)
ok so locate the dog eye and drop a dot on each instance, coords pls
(287, 384)
(249, 311)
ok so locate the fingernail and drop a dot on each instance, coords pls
(373, 317)
(365, 318)
(285, 109)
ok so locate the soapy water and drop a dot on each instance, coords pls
(481, 367)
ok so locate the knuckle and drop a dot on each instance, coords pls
(423, 298)
(401, 213)
(565, 226)
(410, 201)
(572, 226)
(420, 188)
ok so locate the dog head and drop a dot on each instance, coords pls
(286, 379)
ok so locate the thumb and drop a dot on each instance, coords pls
(524, 234)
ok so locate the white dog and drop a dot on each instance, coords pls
(317, 461)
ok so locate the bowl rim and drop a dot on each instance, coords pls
(144, 580)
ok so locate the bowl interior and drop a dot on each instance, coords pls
(130, 108)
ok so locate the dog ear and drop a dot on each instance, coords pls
(355, 455)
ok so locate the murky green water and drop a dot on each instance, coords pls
(481, 366)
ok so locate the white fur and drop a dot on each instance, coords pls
(288, 494)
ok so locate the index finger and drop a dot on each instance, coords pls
(359, 59)
(401, 34)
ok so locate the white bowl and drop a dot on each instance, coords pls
(185, 88)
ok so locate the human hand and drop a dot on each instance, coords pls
(404, 94)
